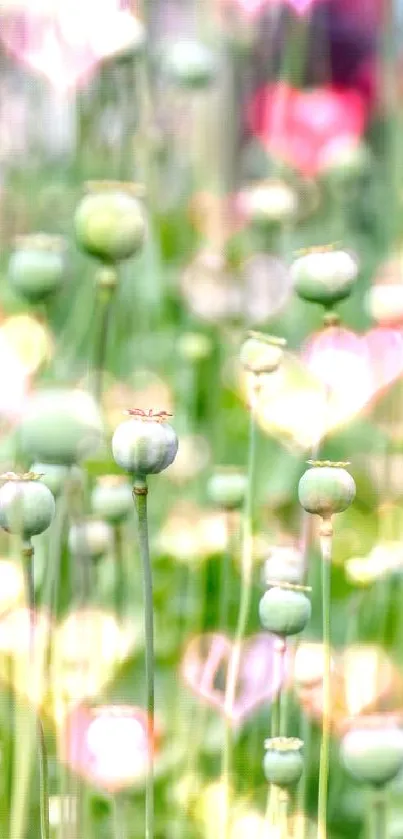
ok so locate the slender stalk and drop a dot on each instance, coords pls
(140, 491)
(105, 294)
(326, 567)
(283, 802)
(378, 821)
(28, 552)
(302, 793)
(244, 606)
(120, 582)
(118, 825)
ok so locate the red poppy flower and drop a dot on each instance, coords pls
(300, 126)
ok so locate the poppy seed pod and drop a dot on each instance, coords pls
(283, 762)
(284, 565)
(92, 538)
(53, 475)
(145, 444)
(326, 488)
(285, 610)
(373, 754)
(324, 276)
(268, 203)
(27, 506)
(262, 353)
(190, 64)
(37, 267)
(61, 426)
(111, 498)
(227, 488)
(109, 222)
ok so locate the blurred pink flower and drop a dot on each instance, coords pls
(252, 8)
(299, 125)
(65, 41)
(108, 745)
(261, 674)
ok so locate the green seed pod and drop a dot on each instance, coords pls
(227, 488)
(190, 64)
(109, 222)
(37, 267)
(27, 506)
(284, 611)
(61, 426)
(262, 353)
(324, 276)
(90, 539)
(145, 444)
(283, 762)
(268, 203)
(53, 475)
(284, 565)
(326, 489)
(194, 346)
(373, 755)
(345, 162)
(111, 498)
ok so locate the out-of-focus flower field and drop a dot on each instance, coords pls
(201, 281)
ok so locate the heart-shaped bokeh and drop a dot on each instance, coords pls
(312, 395)
(108, 745)
(262, 671)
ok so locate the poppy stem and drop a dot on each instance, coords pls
(244, 607)
(326, 568)
(378, 815)
(140, 492)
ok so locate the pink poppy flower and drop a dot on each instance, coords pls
(251, 9)
(298, 126)
(107, 745)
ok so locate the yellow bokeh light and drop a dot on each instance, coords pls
(29, 339)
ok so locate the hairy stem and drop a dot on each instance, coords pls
(140, 492)
(378, 821)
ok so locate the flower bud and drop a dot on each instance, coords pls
(285, 610)
(284, 565)
(109, 222)
(37, 267)
(144, 444)
(283, 762)
(111, 498)
(227, 487)
(90, 539)
(190, 64)
(324, 276)
(27, 506)
(326, 488)
(262, 353)
(373, 753)
(53, 475)
(61, 426)
(268, 203)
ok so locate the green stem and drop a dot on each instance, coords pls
(244, 607)
(140, 491)
(326, 568)
(28, 554)
(105, 298)
(379, 815)
(118, 825)
(302, 794)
